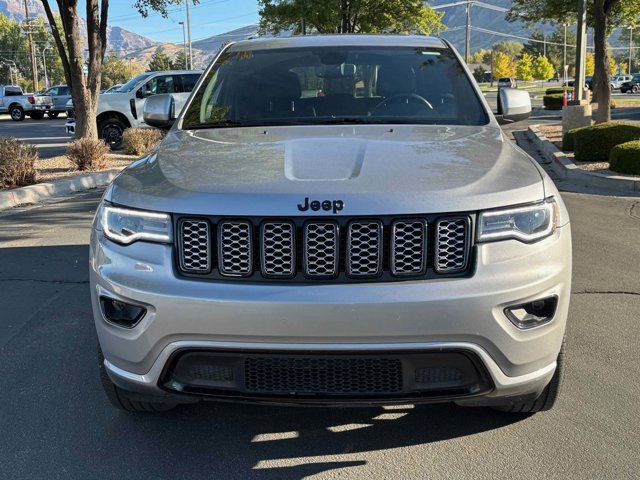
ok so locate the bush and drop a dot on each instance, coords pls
(17, 163)
(625, 158)
(88, 154)
(553, 101)
(593, 144)
(568, 139)
(554, 90)
(139, 141)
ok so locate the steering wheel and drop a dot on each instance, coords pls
(410, 97)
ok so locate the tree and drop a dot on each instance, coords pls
(70, 46)
(590, 64)
(159, 61)
(542, 68)
(613, 66)
(535, 46)
(603, 16)
(179, 62)
(349, 16)
(524, 70)
(116, 70)
(513, 49)
(503, 65)
(481, 56)
(479, 74)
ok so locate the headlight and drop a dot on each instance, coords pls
(125, 225)
(527, 223)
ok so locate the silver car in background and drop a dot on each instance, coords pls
(383, 242)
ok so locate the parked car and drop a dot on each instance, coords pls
(618, 80)
(123, 108)
(507, 82)
(385, 246)
(18, 104)
(632, 85)
(60, 95)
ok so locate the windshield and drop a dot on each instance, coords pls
(131, 84)
(316, 85)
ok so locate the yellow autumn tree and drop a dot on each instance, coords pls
(503, 65)
(613, 66)
(590, 64)
(524, 70)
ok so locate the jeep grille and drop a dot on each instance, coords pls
(341, 249)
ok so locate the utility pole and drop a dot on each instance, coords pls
(190, 67)
(184, 42)
(467, 51)
(44, 64)
(32, 48)
(544, 45)
(630, 46)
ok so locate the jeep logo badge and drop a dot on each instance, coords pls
(316, 205)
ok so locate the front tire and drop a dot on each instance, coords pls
(129, 401)
(547, 399)
(111, 131)
(17, 113)
(635, 89)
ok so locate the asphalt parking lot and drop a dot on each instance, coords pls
(48, 135)
(56, 422)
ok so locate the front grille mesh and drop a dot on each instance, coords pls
(195, 246)
(278, 249)
(364, 249)
(323, 250)
(235, 248)
(408, 245)
(323, 375)
(451, 245)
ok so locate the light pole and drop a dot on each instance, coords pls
(564, 56)
(184, 42)
(630, 27)
(189, 36)
(467, 49)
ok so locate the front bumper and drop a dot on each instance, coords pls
(424, 316)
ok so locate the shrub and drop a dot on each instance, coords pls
(613, 103)
(139, 141)
(88, 154)
(625, 158)
(17, 163)
(553, 101)
(593, 144)
(554, 90)
(568, 139)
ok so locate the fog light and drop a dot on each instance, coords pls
(532, 314)
(121, 313)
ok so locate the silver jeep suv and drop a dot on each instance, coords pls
(333, 220)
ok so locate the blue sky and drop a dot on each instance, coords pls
(208, 18)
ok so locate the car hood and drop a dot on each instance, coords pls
(373, 169)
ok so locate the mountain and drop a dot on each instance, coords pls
(118, 39)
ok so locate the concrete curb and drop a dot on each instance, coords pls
(564, 167)
(58, 188)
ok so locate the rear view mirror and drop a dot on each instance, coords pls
(159, 111)
(513, 105)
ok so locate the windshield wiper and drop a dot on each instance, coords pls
(221, 123)
(342, 121)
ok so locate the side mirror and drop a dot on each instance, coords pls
(513, 105)
(159, 111)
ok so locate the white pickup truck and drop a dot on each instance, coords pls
(18, 104)
(123, 108)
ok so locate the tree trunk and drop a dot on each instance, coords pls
(344, 14)
(601, 89)
(84, 89)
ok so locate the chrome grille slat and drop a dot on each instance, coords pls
(235, 256)
(278, 253)
(408, 247)
(321, 249)
(364, 248)
(195, 249)
(452, 240)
